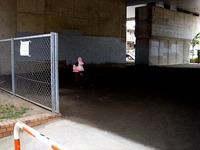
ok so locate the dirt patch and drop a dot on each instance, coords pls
(7, 98)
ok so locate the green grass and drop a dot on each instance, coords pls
(9, 111)
(194, 60)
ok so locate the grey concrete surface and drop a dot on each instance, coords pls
(126, 109)
(73, 136)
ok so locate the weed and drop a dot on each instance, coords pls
(9, 111)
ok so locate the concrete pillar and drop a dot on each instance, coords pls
(163, 36)
(8, 23)
(8, 19)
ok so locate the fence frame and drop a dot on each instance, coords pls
(54, 69)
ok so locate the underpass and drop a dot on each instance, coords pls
(127, 108)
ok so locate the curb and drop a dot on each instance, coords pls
(7, 127)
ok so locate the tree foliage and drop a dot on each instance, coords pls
(196, 40)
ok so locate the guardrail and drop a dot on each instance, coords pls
(19, 125)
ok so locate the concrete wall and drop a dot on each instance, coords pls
(173, 24)
(99, 18)
(101, 22)
(8, 19)
(168, 33)
(93, 49)
(168, 52)
(5, 57)
(72, 44)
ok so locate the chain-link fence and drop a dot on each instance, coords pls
(29, 69)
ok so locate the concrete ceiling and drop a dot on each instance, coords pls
(192, 6)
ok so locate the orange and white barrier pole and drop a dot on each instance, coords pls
(35, 134)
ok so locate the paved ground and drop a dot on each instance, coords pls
(74, 136)
(128, 108)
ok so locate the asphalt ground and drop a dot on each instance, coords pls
(126, 108)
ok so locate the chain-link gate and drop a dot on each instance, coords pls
(29, 69)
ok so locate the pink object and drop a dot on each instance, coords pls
(80, 65)
(78, 70)
(75, 68)
(80, 61)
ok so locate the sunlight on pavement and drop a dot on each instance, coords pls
(74, 136)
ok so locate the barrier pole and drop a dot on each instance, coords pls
(19, 125)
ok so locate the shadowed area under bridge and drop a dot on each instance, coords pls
(154, 106)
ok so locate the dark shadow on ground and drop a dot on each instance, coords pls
(154, 106)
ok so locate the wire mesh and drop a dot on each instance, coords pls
(30, 72)
(5, 66)
(33, 72)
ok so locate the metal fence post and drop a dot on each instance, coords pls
(56, 73)
(13, 66)
(53, 96)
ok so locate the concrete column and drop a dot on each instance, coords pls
(163, 35)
